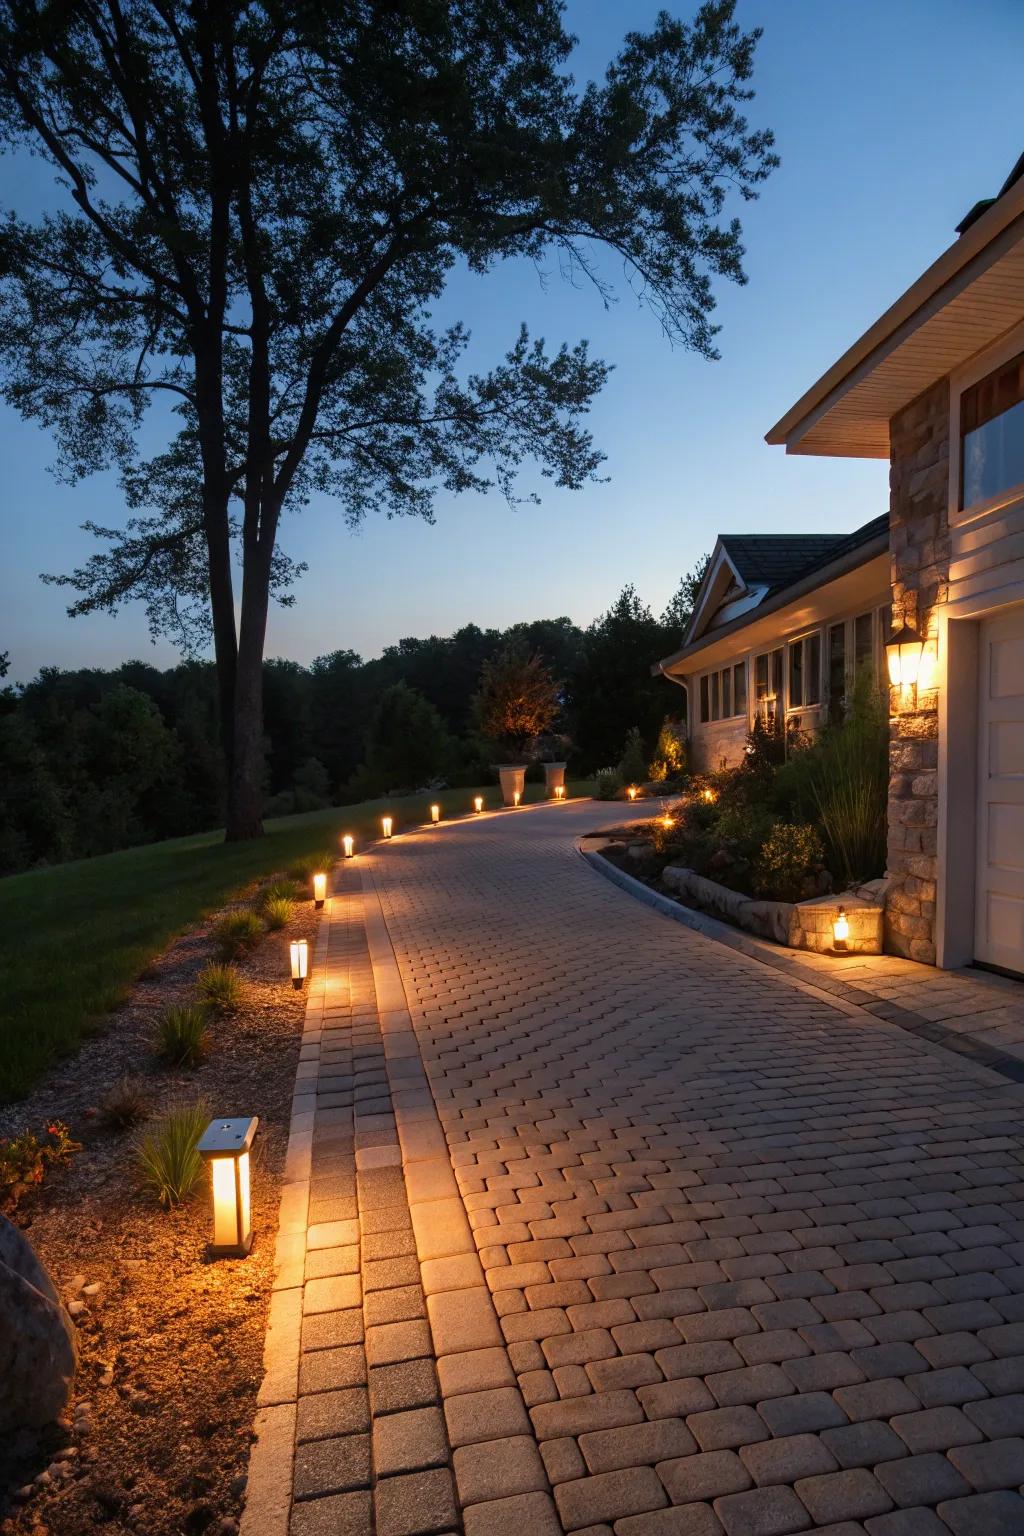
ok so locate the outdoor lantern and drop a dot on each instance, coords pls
(300, 962)
(435, 813)
(708, 796)
(559, 791)
(225, 1146)
(631, 791)
(516, 797)
(386, 825)
(903, 651)
(478, 804)
(319, 889)
(668, 821)
(840, 930)
(348, 843)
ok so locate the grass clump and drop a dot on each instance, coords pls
(276, 912)
(237, 932)
(281, 890)
(168, 1162)
(124, 1104)
(302, 870)
(221, 987)
(182, 1039)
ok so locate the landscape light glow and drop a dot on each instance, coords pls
(386, 823)
(225, 1146)
(319, 889)
(348, 844)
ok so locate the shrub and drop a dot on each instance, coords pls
(669, 761)
(168, 1162)
(24, 1160)
(182, 1039)
(850, 784)
(220, 986)
(789, 857)
(124, 1104)
(277, 912)
(607, 784)
(633, 764)
(237, 932)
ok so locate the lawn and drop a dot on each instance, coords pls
(76, 936)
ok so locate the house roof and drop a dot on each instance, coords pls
(772, 570)
(966, 300)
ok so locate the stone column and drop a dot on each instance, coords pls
(920, 553)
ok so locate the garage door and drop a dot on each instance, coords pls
(999, 909)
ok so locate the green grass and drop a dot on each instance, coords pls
(75, 937)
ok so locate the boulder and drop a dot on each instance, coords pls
(38, 1353)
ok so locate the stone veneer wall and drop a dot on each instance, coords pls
(920, 553)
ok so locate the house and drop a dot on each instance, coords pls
(936, 386)
(781, 626)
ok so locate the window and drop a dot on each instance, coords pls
(723, 694)
(767, 685)
(992, 434)
(836, 671)
(805, 671)
(863, 642)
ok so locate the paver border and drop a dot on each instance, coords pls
(838, 994)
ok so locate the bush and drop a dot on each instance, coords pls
(168, 1162)
(607, 784)
(237, 932)
(787, 864)
(125, 1104)
(277, 913)
(633, 765)
(221, 987)
(24, 1160)
(669, 762)
(182, 1038)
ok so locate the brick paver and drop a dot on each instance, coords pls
(677, 1243)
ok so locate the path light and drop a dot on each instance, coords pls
(903, 651)
(348, 843)
(559, 791)
(631, 791)
(435, 813)
(386, 825)
(225, 1146)
(478, 804)
(319, 890)
(300, 962)
(840, 931)
(516, 797)
(667, 821)
(708, 796)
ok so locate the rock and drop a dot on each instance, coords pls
(76, 1308)
(37, 1340)
(228, 1526)
(107, 1379)
(92, 1290)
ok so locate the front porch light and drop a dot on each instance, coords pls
(348, 844)
(478, 804)
(225, 1146)
(840, 931)
(903, 651)
(300, 962)
(386, 824)
(319, 889)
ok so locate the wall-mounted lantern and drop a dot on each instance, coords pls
(435, 813)
(478, 804)
(319, 889)
(225, 1146)
(386, 825)
(300, 962)
(840, 932)
(348, 844)
(903, 652)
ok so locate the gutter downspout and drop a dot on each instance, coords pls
(680, 682)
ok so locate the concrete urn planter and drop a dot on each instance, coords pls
(512, 777)
(554, 778)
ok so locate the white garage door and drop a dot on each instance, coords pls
(999, 908)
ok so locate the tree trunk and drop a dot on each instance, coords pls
(245, 784)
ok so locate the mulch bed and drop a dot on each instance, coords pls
(156, 1437)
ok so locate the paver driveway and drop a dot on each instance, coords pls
(757, 1262)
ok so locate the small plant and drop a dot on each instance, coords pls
(790, 856)
(633, 767)
(281, 890)
(124, 1104)
(277, 912)
(237, 932)
(303, 869)
(168, 1162)
(182, 1038)
(607, 784)
(24, 1160)
(220, 986)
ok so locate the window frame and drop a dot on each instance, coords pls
(960, 381)
(712, 694)
(800, 642)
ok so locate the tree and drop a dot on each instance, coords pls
(408, 744)
(633, 764)
(517, 700)
(677, 615)
(260, 203)
(612, 689)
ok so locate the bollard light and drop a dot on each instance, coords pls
(300, 962)
(435, 813)
(840, 931)
(631, 791)
(478, 804)
(559, 791)
(319, 889)
(225, 1146)
(708, 796)
(348, 845)
(667, 821)
(516, 797)
(386, 825)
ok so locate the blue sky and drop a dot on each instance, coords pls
(891, 116)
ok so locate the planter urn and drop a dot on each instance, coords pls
(554, 778)
(512, 778)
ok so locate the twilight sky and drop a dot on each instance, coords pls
(891, 116)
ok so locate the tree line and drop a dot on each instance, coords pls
(93, 760)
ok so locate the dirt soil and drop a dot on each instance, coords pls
(156, 1437)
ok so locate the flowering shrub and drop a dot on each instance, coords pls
(24, 1160)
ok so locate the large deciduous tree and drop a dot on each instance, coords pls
(260, 200)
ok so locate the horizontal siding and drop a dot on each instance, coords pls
(987, 555)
